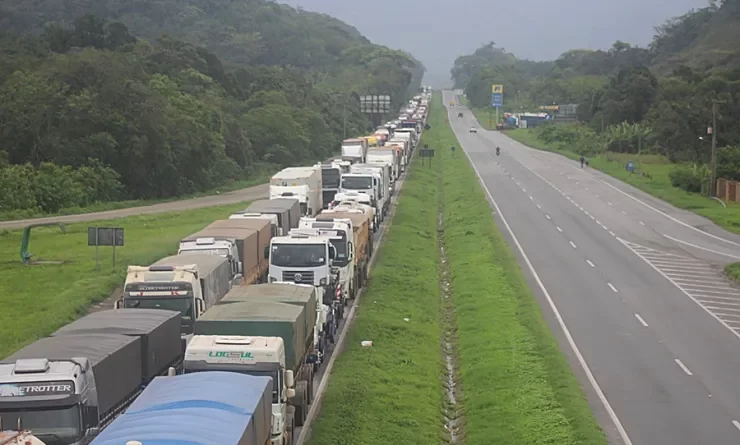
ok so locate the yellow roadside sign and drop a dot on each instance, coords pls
(497, 89)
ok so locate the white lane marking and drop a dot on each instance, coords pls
(641, 320)
(524, 190)
(623, 212)
(611, 286)
(556, 312)
(700, 247)
(559, 229)
(717, 308)
(642, 223)
(609, 203)
(547, 216)
(572, 244)
(592, 217)
(681, 266)
(590, 263)
(612, 233)
(736, 423)
(686, 292)
(539, 207)
(685, 369)
(531, 199)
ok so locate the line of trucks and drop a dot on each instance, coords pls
(218, 344)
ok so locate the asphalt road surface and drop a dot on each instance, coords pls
(631, 286)
(247, 194)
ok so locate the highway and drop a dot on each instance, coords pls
(631, 286)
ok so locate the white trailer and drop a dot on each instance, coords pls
(302, 183)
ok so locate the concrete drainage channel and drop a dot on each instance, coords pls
(452, 413)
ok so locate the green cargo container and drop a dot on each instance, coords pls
(302, 295)
(259, 319)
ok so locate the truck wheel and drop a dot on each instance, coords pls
(301, 407)
(307, 375)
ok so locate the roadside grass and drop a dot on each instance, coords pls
(518, 387)
(38, 299)
(733, 272)
(652, 177)
(12, 215)
(391, 393)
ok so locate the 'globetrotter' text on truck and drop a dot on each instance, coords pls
(189, 284)
(67, 387)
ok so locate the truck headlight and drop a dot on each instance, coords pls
(322, 281)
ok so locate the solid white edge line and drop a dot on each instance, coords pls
(735, 333)
(676, 220)
(699, 247)
(556, 312)
(611, 286)
(685, 369)
(643, 322)
(736, 423)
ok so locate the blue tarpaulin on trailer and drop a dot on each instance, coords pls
(205, 408)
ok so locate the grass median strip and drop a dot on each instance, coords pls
(37, 299)
(391, 392)
(518, 387)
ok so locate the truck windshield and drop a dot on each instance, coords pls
(182, 304)
(54, 426)
(357, 182)
(340, 244)
(298, 255)
(219, 252)
(274, 375)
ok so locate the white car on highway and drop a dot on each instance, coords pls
(473, 130)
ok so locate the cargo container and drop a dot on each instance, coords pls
(213, 408)
(303, 183)
(287, 210)
(264, 234)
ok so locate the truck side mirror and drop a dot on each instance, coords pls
(332, 252)
(267, 252)
(289, 379)
(351, 253)
(93, 431)
(289, 393)
(200, 306)
(119, 303)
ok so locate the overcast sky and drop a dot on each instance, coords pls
(436, 32)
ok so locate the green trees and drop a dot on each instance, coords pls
(90, 113)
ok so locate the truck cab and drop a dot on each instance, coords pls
(260, 356)
(56, 399)
(176, 288)
(224, 247)
(302, 259)
(331, 177)
(340, 234)
(383, 185)
(300, 192)
(367, 182)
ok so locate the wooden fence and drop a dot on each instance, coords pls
(728, 190)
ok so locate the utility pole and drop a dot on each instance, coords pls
(344, 116)
(713, 175)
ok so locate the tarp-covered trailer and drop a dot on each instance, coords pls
(114, 359)
(363, 236)
(204, 408)
(214, 274)
(247, 243)
(302, 295)
(159, 330)
(288, 211)
(262, 319)
(263, 228)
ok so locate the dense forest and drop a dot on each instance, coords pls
(109, 100)
(655, 100)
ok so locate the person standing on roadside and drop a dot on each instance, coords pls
(583, 159)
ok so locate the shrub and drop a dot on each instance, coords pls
(689, 179)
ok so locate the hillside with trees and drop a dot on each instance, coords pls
(97, 104)
(656, 100)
